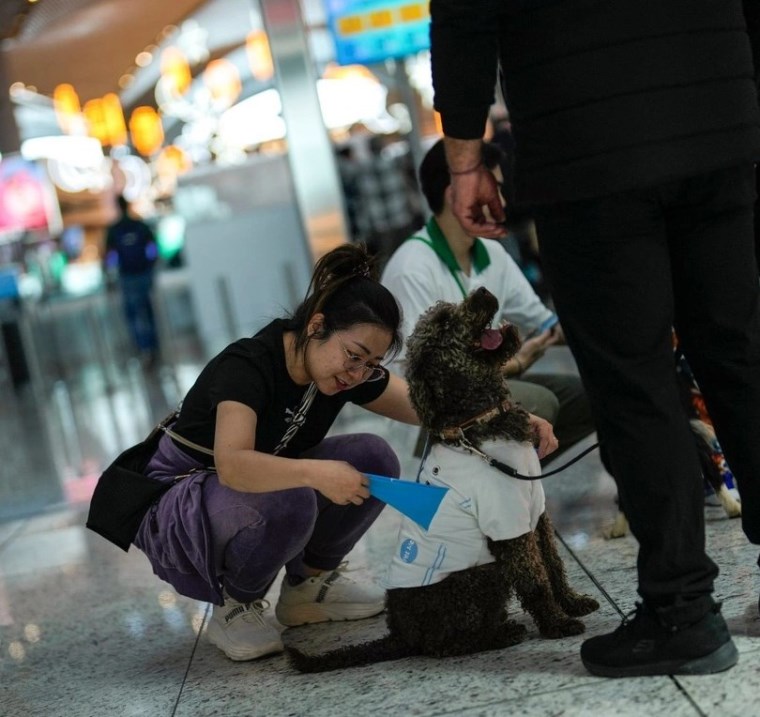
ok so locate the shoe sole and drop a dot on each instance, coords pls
(240, 654)
(724, 658)
(324, 612)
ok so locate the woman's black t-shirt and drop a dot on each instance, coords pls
(252, 371)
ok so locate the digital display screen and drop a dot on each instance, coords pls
(369, 31)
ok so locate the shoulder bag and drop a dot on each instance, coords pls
(124, 494)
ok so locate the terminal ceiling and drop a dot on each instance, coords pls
(88, 43)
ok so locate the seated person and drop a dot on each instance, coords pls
(442, 262)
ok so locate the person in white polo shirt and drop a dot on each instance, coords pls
(441, 262)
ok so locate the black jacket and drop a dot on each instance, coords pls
(603, 95)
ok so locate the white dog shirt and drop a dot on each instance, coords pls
(481, 502)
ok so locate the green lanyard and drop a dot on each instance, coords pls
(438, 243)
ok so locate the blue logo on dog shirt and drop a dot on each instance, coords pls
(408, 551)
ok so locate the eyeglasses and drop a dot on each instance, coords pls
(354, 363)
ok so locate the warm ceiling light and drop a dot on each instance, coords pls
(96, 121)
(113, 116)
(259, 55)
(175, 69)
(126, 80)
(67, 107)
(105, 120)
(173, 160)
(223, 80)
(333, 71)
(146, 130)
(143, 59)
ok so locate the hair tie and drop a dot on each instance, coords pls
(363, 270)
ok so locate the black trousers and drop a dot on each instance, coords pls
(624, 270)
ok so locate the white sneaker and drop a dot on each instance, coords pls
(329, 596)
(240, 630)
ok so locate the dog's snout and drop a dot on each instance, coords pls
(482, 300)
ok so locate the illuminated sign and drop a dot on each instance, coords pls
(27, 198)
(367, 31)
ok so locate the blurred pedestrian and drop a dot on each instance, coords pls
(131, 251)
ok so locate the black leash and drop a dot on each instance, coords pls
(504, 468)
(590, 575)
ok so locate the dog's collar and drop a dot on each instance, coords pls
(454, 433)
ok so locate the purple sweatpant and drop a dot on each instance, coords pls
(201, 536)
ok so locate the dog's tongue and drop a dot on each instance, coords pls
(490, 339)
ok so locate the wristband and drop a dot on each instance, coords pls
(467, 171)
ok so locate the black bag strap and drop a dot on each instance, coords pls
(298, 420)
(185, 441)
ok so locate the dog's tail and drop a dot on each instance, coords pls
(366, 653)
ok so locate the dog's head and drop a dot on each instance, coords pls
(454, 360)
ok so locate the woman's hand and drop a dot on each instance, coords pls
(340, 482)
(544, 439)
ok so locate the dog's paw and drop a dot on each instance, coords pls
(619, 529)
(510, 633)
(577, 605)
(564, 627)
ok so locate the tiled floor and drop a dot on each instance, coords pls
(86, 629)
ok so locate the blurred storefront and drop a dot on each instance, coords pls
(222, 123)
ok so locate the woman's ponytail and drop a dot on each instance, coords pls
(345, 289)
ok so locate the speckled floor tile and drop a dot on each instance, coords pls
(413, 686)
(729, 694)
(621, 698)
(87, 630)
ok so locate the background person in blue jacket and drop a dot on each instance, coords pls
(132, 251)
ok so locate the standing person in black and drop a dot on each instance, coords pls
(636, 126)
(131, 249)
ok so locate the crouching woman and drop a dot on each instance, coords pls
(264, 488)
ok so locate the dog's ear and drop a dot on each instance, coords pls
(428, 331)
(427, 395)
(427, 347)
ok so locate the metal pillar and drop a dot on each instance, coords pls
(310, 153)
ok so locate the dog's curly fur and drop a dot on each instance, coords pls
(452, 377)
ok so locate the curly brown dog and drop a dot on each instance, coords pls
(491, 538)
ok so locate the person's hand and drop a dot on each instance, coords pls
(477, 203)
(341, 483)
(534, 348)
(543, 436)
(559, 335)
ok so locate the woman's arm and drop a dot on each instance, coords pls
(241, 467)
(394, 402)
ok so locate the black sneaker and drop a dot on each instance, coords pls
(653, 643)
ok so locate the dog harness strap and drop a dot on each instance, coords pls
(455, 433)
